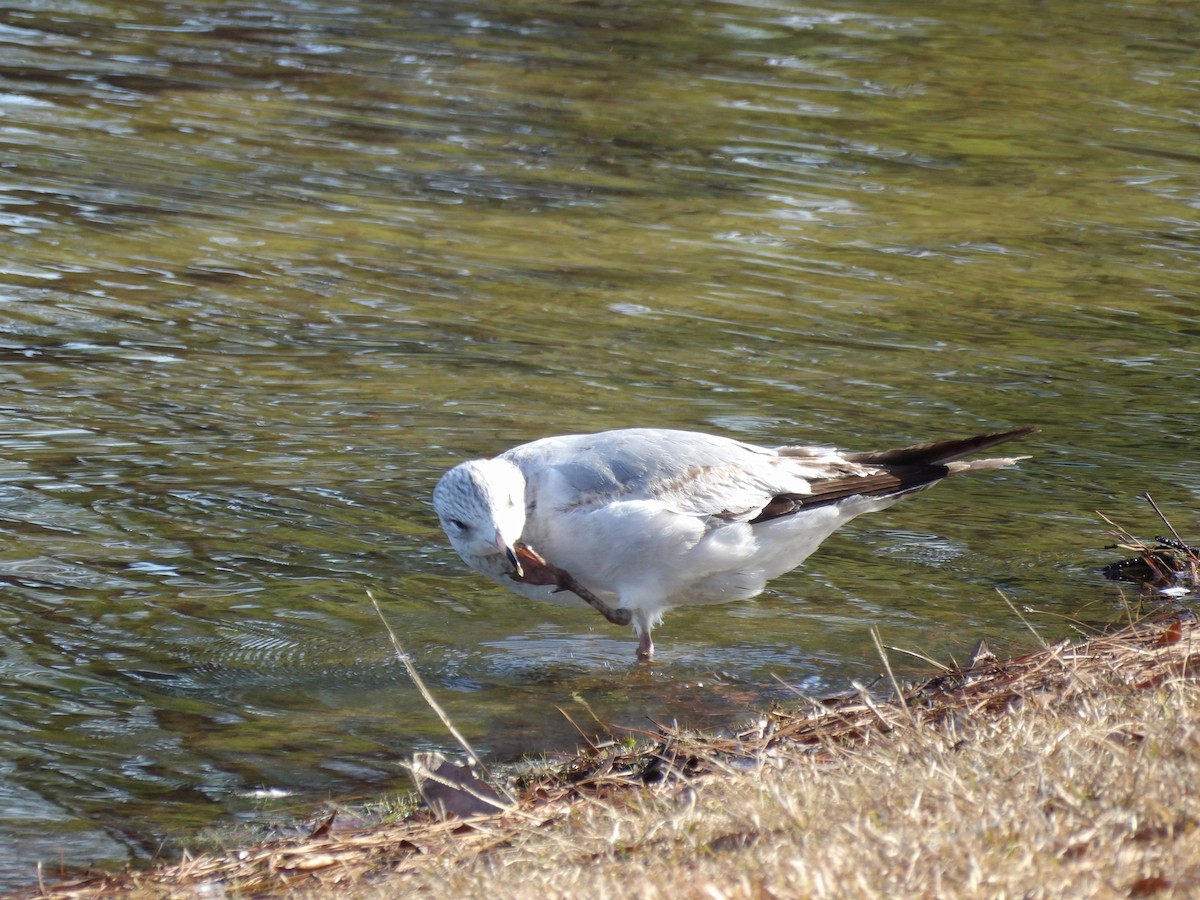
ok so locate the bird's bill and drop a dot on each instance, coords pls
(511, 556)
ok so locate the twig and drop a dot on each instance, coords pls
(587, 740)
(921, 656)
(1154, 506)
(888, 667)
(1024, 621)
(873, 707)
(1125, 603)
(424, 691)
(1122, 534)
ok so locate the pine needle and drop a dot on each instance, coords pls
(887, 665)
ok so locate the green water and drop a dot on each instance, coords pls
(267, 270)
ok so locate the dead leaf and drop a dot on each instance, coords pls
(1152, 682)
(322, 829)
(1171, 634)
(1148, 886)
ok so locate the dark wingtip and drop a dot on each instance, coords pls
(940, 452)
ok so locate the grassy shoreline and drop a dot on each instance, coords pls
(1066, 772)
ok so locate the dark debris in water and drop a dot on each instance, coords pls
(1166, 563)
(1168, 566)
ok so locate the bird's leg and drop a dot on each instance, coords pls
(642, 624)
(645, 649)
(538, 571)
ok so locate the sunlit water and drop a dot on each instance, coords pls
(268, 270)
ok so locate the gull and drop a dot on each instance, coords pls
(638, 521)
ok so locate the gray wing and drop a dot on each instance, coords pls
(725, 480)
(689, 472)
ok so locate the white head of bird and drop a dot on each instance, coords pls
(481, 505)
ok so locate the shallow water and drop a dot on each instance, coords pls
(268, 270)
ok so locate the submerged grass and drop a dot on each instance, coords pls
(1066, 772)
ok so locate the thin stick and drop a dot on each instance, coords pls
(428, 697)
(1121, 533)
(922, 657)
(870, 705)
(1174, 533)
(587, 740)
(888, 667)
(1024, 621)
(1125, 603)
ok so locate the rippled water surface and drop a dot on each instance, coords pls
(268, 269)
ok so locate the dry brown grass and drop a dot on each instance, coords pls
(1069, 772)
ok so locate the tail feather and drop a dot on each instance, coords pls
(894, 473)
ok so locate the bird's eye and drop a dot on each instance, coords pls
(457, 524)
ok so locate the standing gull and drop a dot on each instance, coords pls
(641, 520)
